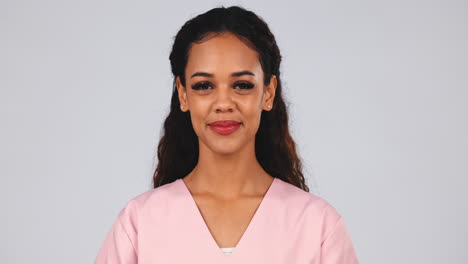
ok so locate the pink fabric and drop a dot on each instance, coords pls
(291, 226)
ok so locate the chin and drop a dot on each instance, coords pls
(225, 149)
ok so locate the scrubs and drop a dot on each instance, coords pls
(290, 226)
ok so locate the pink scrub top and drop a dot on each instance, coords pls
(165, 226)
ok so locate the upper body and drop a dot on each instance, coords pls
(225, 149)
(290, 225)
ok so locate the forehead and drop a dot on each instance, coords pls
(222, 53)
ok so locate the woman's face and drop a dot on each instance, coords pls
(224, 81)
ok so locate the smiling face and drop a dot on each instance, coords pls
(224, 81)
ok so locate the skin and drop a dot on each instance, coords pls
(228, 183)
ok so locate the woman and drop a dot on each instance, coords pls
(228, 187)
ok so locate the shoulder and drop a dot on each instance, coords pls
(307, 206)
(295, 196)
(151, 200)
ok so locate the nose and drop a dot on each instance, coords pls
(224, 102)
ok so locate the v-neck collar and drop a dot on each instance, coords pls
(245, 238)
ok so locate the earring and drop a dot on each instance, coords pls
(269, 106)
(182, 107)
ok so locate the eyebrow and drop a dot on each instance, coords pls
(234, 74)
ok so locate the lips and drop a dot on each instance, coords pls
(225, 127)
(224, 123)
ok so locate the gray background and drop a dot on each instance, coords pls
(378, 93)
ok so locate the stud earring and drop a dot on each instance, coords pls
(269, 106)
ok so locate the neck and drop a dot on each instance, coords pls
(228, 175)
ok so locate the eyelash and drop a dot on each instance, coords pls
(247, 85)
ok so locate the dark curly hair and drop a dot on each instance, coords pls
(274, 147)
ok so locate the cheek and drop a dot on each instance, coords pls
(198, 114)
(252, 116)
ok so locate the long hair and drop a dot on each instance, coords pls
(274, 147)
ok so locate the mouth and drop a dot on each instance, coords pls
(224, 123)
(225, 127)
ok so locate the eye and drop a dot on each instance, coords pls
(201, 86)
(244, 85)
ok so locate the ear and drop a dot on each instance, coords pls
(182, 92)
(269, 93)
